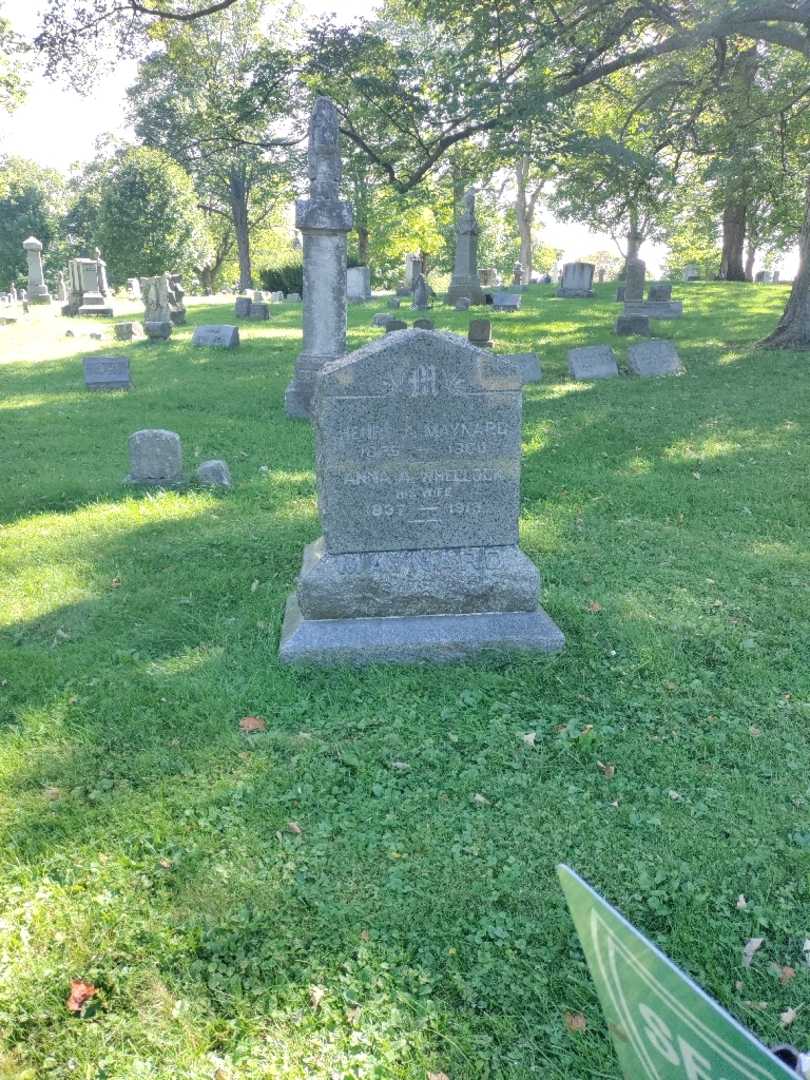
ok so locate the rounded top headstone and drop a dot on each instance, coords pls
(32, 244)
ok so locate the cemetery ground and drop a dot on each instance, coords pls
(365, 886)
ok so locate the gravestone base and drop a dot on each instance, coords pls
(471, 291)
(575, 294)
(414, 638)
(40, 298)
(93, 309)
(655, 309)
(427, 581)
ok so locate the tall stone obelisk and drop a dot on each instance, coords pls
(465, 280)
(37, 289)
(324, 221)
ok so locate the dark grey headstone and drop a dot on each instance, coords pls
(632, 324)
(158, 331)
(260, 311)
(241, 307)
(620, 294)
(463, 303)
(106, 373)
(480, 333)
(635, 273)
(659, 291)
(393, 302)
(592, 362)
(503, 301)
(655, 357)
(423, 324)
(382, 318)
(294, 297)
(220, 336)
(418, 443)
(395, 324)
(155, 458)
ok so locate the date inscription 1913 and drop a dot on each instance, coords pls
(416, 453)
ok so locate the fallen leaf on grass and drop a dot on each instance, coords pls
(165, 864)
(294, 828)
(608, 771)
(80, 994)
(437, 1076)
(254, 586)
(741, 902)
(353, 1015)
(784, 974)
(250, 724)
(316, 996)
(480, 800)
(575, 1022)
(594, 607)
(751, 947)
(529, 739)
(403, 766)
(754, 732)
(787, 1017)
(115, 583)
(675, 795)
(52, 793)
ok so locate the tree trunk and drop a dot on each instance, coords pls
(750, 256)
(524, 220)
(239, 212)
(793, 331)
(731, 263)
(362, 244)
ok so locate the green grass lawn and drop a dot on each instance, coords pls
(407, 928)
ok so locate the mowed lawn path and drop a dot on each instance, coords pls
(367, 889)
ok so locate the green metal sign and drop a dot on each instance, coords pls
(663, 1026)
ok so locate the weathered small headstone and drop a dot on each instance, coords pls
(155, 458)
(220, 336)
(381, 318)
(214, 473)
(655, 357)
(632, 324)
(241, 307)
(358, 283)
(133, 288)
(293, 298)
(691, 273)
(395, 324)
(503, 301)
(260, 311)
(158, 331)
(423, 324)
(480, 333)
(576, 281)
(463, 303)
(659, 291)
(635, 273)
(592, 362)
(393, 302)
(517, 274)
(418, 447)
(762, 277)
(106, 373)
(128, 331)
(420, 294)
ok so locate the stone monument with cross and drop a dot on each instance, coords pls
(324, 220)
(418, 445)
